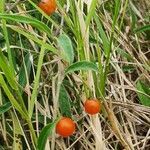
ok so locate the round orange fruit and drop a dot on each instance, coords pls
(92, 106)
(65, 127)
(48, 6)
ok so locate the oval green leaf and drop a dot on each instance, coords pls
(46, 131)
(81, 65)
(64, 102)
(66, 48)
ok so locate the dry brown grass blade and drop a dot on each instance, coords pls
(115, 127)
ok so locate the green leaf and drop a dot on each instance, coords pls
(29, 35)
(25, 70)
(17, 143)
(103, 36)
(4, 108)
(128, 68)
(4, 65)
(10, 96)
(41, 118)
(46, 131)
(2, 3)
(66, 48)
(133, 19)
(28, 20)
(2, 148)
(123, 53)
(142, 29)
(144, 93)
(92, 11)
(64, 102)
(82, 65)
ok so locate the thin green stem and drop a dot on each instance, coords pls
(117, 6)
(34, 137)
(123, 14)
(36, 82)
(12, 99)
(7, 39)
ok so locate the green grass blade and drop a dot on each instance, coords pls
(5, 107)
(124, 54)
(25, 70)
(36, 82)
(11, 98)
(142, 29)
(115, 18)
(6, 37)
(28, 20)
(6, 68)
(32, 37)
(103, 36)
(133, 19)
(16, 133)
(145, 97)
(91, 12)
(2, 6)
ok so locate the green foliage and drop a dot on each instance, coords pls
(85, 49)
(92, 12)
(4, 65)
(30, 36)
(28, 20)
(64, 102)
(5, 107)
(128, 68)
(46, 131)
(25, 70)
(124, 54)
(133, 20)
(142, 29)
(103, 36)
(143, 93)
(82, 65)
(10, 96)
(66, 48)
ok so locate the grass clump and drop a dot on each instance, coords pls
(50, 65)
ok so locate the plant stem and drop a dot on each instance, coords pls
(106, 69)
(34, 138)
(36, 81)
(7, 39)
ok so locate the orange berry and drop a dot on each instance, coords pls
(92, 106)
(65, 127)
(48, 6)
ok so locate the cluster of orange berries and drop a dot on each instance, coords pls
(66, 126)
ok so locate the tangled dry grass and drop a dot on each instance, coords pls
(124, 122)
